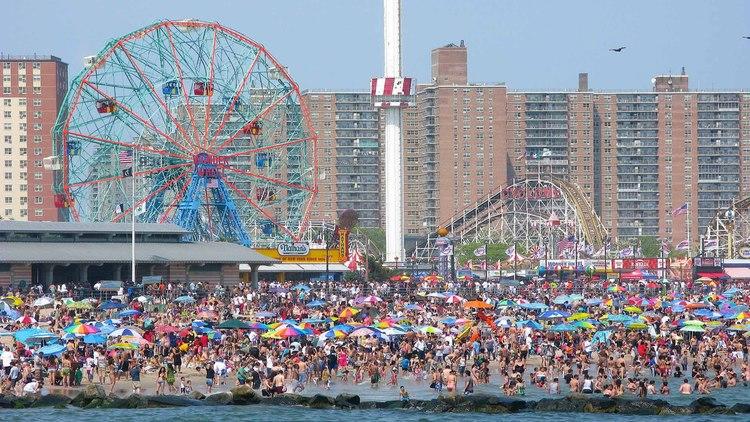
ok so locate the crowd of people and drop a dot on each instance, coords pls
(449, 338)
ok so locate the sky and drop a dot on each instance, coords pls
(338, 44)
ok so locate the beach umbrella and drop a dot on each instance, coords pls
(26, 320)
(552, 314)
(363, 332)
(337, 334)
(166, 329)
(477, 304)
(437, 295)
(258, 326)
(394, 331)
(233, 324)
(348, 312)
(617, 318)
(693, 329)
(80, 305)
(43, 301)
(430, 330)
(561, 299)
(731, 292)
(286, 331)
(594, 301)
(314, 320)
(123, 346)
(265, 314)
(563, 328)
(454, 299)
(302, 287)
(15, 301)
(578, 316)
(529, 324)
(94, 339)
(413, 307)
(125, 332)
(633, 309)
(694, 322)
(81, 329)
(111, 304)
(615, 288)
(185, 299)
(127, 313)
(506, 303)
(636, 325)
(533, 305)
(52, 349)
(584, 324)
(316, 303)
(432, 278)
(601, 337)
(22, 335)
(372, 299)
(738, 327)
(704, 280)
(68, 336)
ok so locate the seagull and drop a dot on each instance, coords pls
(746, 37)
(618, 49)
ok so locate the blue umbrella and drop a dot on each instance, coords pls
(314, 320)
(412, 306)
(52, 349)
(185, 299)
(69, 336)
(731, 292)
(533, 305)
(315, 304)
(594, 301)
(302, 287)
(530, 324)
(561, 299)
(22, 335)
(601, 337)
(563, 328)
(619, 318)
(94, 339)
(128, 313)
(111, 304)
(554, 314)
(265, 314)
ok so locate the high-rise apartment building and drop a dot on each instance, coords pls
(348, 155)
(33, 89)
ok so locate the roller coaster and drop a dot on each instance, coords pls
(540, 211)
(728, 234)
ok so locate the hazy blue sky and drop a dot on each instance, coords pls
(338, 43)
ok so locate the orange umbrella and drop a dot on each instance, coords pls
(348, 312)
(477, 304)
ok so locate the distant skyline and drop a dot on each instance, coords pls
(337, 44)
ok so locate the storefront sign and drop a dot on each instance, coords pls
(640, 264)
(707, 262)
(344, 243)
(293, 249)
(314, 256)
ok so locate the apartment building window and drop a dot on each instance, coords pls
(37, 139)
(22, 102)
(39, 213)
(36, 65)
(8, 139)
(8, 200)
(6, 65)
(37, 102)
(7, 102)
(37, 114)
(21, 90)
(6, 90)
(37, 90)
(37, 176)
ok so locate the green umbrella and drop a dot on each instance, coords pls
(233, 324)
(692, 329)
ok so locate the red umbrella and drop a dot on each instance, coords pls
(166, 329)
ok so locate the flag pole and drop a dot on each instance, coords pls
(132, 219)
(687, 220)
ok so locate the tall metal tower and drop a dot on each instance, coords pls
(391, 93)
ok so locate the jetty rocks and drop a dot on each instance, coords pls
(94, 396)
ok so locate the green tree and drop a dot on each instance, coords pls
(376, 235)
(377, 271)
(650, 246)
(495, 252)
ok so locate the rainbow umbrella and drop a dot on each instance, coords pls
(286, 331)
(615, 288)
(348, 312)
(454, 299)
(332, 334)
(81, 329)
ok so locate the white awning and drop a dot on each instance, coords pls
(738, 273)
(297, 268)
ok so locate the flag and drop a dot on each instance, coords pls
(553, 220)
(447, 250)
(140, 209)
(522, 156)
(480, 251)
(511, 250)
(711, 245)
(683, 246)
(128, 172)
(681, 210)
(627, 252)
(355, 259)
(120, 208)
(567, 243)
(126, 157)
(664, 247)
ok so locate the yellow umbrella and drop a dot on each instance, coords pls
(13, 300)
(584, 324)
(633, 309)
(578, 316)
(637, 326)
(348, 312)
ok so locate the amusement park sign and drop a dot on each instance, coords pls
(533, 193)
(293, 249)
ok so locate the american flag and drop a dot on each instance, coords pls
(126, 157)
(683, 246)
(681, 210)
(567, 243)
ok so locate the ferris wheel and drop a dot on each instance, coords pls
(188, 122)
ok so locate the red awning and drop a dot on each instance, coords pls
(714, 275)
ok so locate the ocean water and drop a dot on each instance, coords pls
(293, 413)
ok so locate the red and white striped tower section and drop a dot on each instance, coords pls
(392, 92)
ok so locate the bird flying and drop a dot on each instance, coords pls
(618, 49)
